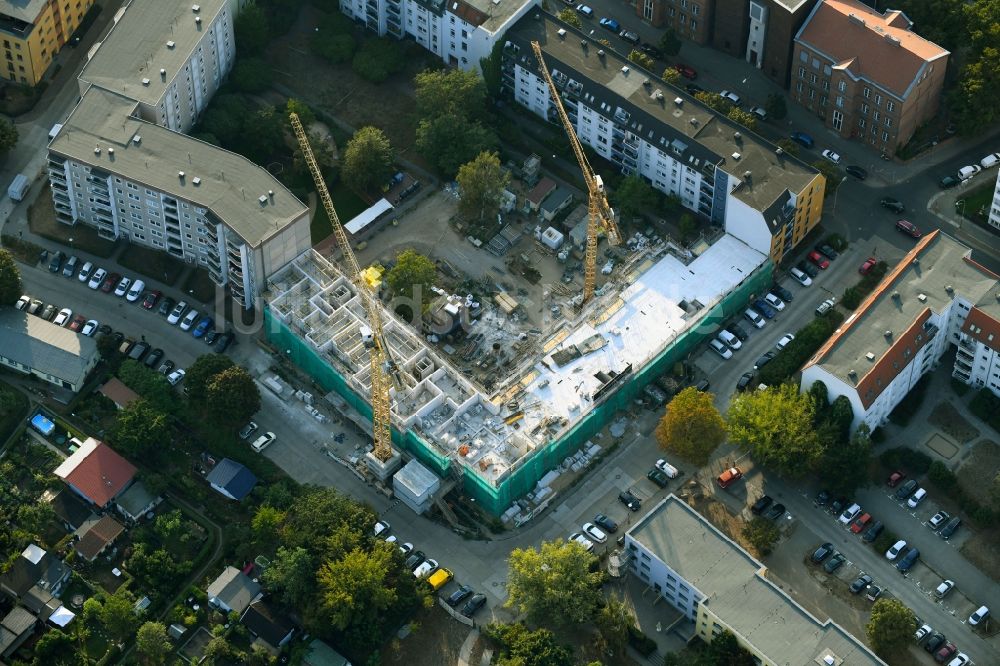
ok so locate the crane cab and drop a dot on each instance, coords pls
(367, 337)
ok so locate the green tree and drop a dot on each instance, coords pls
(491, 67)
(891, 626)
(302, 110)
(149, 384)
(762, 535)
(841, 416)
(170, 526)
(152, 644)
(520, 646)
(820, 396)
(412, 277)
(291, 575)
(200, 372)
(776, 107)
(252, 34)
(670, 44)
(692, 427)
(671, 76)
(788, 147)
(154, 567)
(634, 196)
(8, 135)
(54, 647)
(482, 182)
(943, 22)
(140, 428)
(449, 91)
(266, 524)
(688, 226)
(842, 459)
(553, 585)
(251, 75)
(832, 175)
(367, 161)
(614, 621)
(358, 588)
(639, 58)
(714, 101)
(569, 17)
(725, 650)
(450, 140)
(777, 426)
(336, 50)
(378, 59)
(232, 397)
(10, 279)
(117, 615)
(107, 347)
(742, 117)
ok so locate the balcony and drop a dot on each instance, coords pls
(965, 365)
(964, 344)
(958, 373)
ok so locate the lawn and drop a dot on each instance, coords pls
(24, 251)
(42, 221)
(348, 204)
(200, 286)
(154, 264)
(13, 410)
(977, 204)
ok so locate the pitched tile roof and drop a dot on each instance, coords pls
(97, 538)
(538, 193)
(96, 471)
(877, 47)
(983, 328)
(266, 624)
(116, 391)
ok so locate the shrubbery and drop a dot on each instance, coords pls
(901, 457)
(947, 482)
(642, 643)
(854, 295)
(986, 406)
(807, 340)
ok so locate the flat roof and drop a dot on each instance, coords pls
(226, 183)
(45, 347)
(738, 591)
(490, 15)
(22, 10)
(708, 138)
(926, 280)
(137, 46)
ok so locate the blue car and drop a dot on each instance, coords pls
(803, 139)
(204, 326)
(907, 562)
(611, 24)
(764, 308)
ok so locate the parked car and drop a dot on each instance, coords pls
(872, 532)
(263, 442)
(775, 302)
(782, 293)
(981, 614)
(667, 468)
(97, 279)
(825, 306)
(800, 277)
(827, 251)
(961, 659)
(77, 322)
(860, 583)
(938, 519)
(223, 341)
(895, 205)
(764, 360)
(762, 307)
(834, 563)
(822, 552)
(153, 360)
(688, 72)
(594, 533)
(731, 97)
(873, 593)
(176, 377)
(629, 36)
(151, 298)
(808, 268)
(754, 317)
(415, 559)
(166, 306)
(860, 523)
(69, 268)
(945, 652)
(381, 529)
(605, 523)
(776, 511)
(737, 330)
(802, 139)
(761, 505)
(856, 171)
(459, 595)
(166, 368)
(56, 261)
(247, 430)
(610, 24)
(783, 342)
(948, 182)
(907, 489)
(908, 228)
(967, 172)
(111, 282)
(63, 317)
(585, 10)
(693, 88)
(895, 478)
(922, 632)
(631, 501)
(916, 498)
(651, 51)
(850, 513)
(907, 561)
(934, 642)
(720, 348)
(760, 112)
(189, 320)
(831, 156)
(990, 161)
(819, 260)
(139, 351)
(177, 313)
(730, 339)
(122, 287)
(743, 383)
(729, 477)
(203, 326)
(867, 266)
(949, 528)
(895, 549)
(657, 477)
(578, 537)
(90, 328)
(942, 590)
(822, 498)
(474, 604)
(23, 302)
(84, 274)
(135, 291)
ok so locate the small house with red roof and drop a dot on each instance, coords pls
(96, 473)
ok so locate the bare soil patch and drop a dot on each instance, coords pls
(981, 550)
(436, 640)
(952, 423)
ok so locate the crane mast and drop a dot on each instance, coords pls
(599, 212)
(383, 371)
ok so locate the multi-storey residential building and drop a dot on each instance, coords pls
(935, 297)
(689, 19)
(120, 163)
(136, 180)
(994, 215)
(33, 32)
(717, 586)
(460, 32)
(643, 126)
(167, 55)
(866, 73)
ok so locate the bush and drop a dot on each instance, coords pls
(878, 436)
(837, 242)
(642, 643)
(762, 535)
(378, 59)
(910, 405)
(807, 340)
(916, 462)
(851, 298)
(986, 406)
(884, 541)
(947, 482)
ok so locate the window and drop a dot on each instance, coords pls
(803, 56)
(812, 78)
(875, 116)
(802, 72)
(826, 85)
(885, 136)
(867, 92)
(861, 122)
(798, 87)
(888, 121)
(842, 86)
(864, 109)
(812, 94)
(890, 106)
(878, 99)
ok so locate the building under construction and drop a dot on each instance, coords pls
(564, 387)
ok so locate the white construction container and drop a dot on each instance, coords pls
(553, 238)
(18, 187)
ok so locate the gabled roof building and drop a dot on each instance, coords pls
(96, 472)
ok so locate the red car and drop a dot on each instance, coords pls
(895, 478)
(687, 71)
(77, 323)
(867, 267)
(819, 259)
(908, 228)
(860, 523)
(152, 298)
(729, 477)
(111, 282)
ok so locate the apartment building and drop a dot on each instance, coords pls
(33, 32)
(459, 32)
(717, 586)
(169, 56)
(994, 216)
(866, 73)
(936, 297)
(643, 126)
(689, 19)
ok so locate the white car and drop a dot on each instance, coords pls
(177, 312)
(731, 340)
(176, 377)
(783, 342)
(582, 540)
(730, 96)
(594, 532)
(800, 277)
(63, 317)
(428, 567)
(916, 498)
(90, 328)
(830, 155)
(961, 659)
(981, 614)
(967, 172)
(135, 291)
(754, 317)
(23, 302)
(850, 513)
(97, 279)
(990, 160)
(406, 548)
(774, 302)
(667, 468)
(893, 552)
(381, 527)
(189, 319)
(923, 632)
(942, 590)
(123, 286)
(720, 348)
(760, 112)
(85, 272)
(263, 442)
(825, 306)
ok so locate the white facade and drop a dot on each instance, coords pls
(459, 33)
(757, 34)
(666, 582)
(977, 363)
(994, 217)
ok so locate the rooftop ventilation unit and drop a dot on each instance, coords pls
(949, 289)
(892, 40)
(659, 95)
(171, 44)
(561, 32)
(737, 136)
(137, 139)
(678, 102)
(694, 122)
(870, 356)
(625, 70)
(583, 44)
(111, 152)
(196, 8)
(646, 82)
(922, 298)
(145, 81)
(180, 174)
(888, 335)
(853, 375)
(197, 19)
(736, 156)
(196, 181)
(262, 200)
(97, 150)
(601, 53)
(778, 151)
(163, 74)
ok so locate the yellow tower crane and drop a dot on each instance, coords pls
(383, 370)
(600, 214)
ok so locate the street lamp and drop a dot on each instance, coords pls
(837, 194)
(960, 204)
(71, 244)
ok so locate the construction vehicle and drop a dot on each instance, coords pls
(600, 214)
(384, 372)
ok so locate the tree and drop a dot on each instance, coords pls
(251, 30)
(714, 101)
(520, 646)
(291, 575)
(569, 17)
(687, 225)
(8, 135)
(553, 585)
(832, 175)
(151, 642)
(367, 160)
(614, 622)
(639, 58)
(891, 626)
(200, 372)
(107, 347)
(788, 147)
(412, 277)
(266, 524)
(301, 109)
(482, 182)
(820, 396)
(634, 196)
(671, 76)
(10, 279)
(117, 615)
(777, 426)
(141, 428)
(742, 117)
(232, 397)
(762, 535)
(156, 568)
(336, 50)
(841, 416)
(170, 527)
(449, 91)
(670, 44)
(450, 140)
(776, 107)
(725, 650)
(251, 75)
(378, 59)
(357, 589)
(692, 427)
(149, 384)
(843, 460)
(54, 647)
(492, 68)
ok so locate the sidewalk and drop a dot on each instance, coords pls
(943, 205)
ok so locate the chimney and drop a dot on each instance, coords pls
(180, 174)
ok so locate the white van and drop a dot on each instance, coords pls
(981, 614)
(800, 277)
(990, 161)
(730, 339)
(968, 171)
(754, 317)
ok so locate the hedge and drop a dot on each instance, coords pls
(916, 462)
(854, 295)
(642, 643)
(986, 406)
(808, 340)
